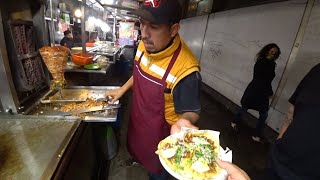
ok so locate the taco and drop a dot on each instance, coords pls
(193, 156)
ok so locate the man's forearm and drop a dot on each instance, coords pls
(191, 116)
(287, 121)
(127, 85)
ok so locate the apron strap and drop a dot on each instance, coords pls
(173, 60)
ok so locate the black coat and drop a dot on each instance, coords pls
(67, 41)
(256, 95)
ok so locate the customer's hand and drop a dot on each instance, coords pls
(115, 94)
(176, 127)
(234, 172)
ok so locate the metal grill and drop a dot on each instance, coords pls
(33, 72)
(18, 39)
(27, 64)
(24, 39)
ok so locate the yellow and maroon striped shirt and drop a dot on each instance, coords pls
(156, 65)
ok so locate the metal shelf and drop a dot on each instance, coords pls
(26, 56)
(49, 19)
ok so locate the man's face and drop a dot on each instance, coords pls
(156, 37)
(69, 36)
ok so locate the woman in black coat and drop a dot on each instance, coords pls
(259, 90)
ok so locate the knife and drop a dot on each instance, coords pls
(91, 109)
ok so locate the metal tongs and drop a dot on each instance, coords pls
(91, 109)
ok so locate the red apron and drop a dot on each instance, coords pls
(148, 126)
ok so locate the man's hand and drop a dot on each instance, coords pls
(176, 127)
(115, 94)
(287, 121)
(234, 172)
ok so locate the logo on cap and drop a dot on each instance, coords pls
(153, 3)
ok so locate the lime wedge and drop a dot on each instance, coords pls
(92, 66)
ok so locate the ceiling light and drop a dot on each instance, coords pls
(107, 1)
(78, 13)
(105, 27)
(92, 19)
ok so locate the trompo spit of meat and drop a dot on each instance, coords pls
(55, 59)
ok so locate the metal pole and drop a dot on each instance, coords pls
(294, 52)
(83, 31)
(9, 101)
(114, 26)
(52, 25)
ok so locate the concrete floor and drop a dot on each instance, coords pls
(247, 154)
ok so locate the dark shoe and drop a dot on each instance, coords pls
(259, 139)
(130, 162)
(256, 139)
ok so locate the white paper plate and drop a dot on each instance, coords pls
(225, 155)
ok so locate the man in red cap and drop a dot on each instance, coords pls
(165, 82)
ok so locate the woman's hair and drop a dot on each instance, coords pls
(265, 50)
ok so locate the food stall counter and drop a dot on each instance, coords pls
(32, 146)
(111, 52)
(72, 67)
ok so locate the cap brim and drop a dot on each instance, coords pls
(144, 14)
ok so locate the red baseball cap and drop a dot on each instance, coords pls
(160, 11)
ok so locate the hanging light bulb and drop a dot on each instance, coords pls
(92, 20)
(78, 13)
(105, 27)
(107, 1)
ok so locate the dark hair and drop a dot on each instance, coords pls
(66, 32)
(265, 50)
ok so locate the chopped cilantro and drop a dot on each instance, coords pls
(178, 155)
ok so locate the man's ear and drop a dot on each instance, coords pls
(175, 29)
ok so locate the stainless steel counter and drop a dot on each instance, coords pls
(31, 146)
(111, 52)
(71, 67)
(52, 101)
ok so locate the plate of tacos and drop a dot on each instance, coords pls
(192, 154)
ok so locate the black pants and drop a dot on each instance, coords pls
(263, 115)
